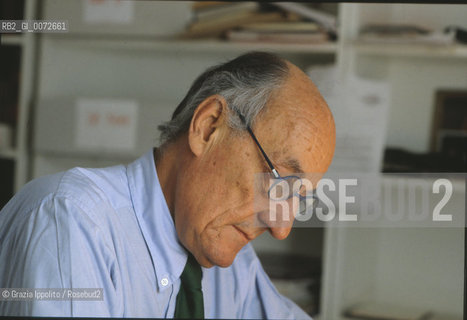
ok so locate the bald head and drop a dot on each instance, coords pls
(298, 124)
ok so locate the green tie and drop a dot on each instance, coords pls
(190, 297)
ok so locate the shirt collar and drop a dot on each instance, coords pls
(168, 255)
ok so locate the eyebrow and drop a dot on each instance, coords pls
(293, 164)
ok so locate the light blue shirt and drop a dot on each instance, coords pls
(111, 228)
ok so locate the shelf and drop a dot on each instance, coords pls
(8, 154)
(91, 155)
(11, 40)
(198, 45)
(412, 50)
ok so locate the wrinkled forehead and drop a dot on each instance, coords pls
(298, 127)
(305, 145)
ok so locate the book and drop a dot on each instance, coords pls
(434, 38)
(197, 5)
(216, 27)
(281, 27)
(278, 37)
(326, 20)
(403, 34)
(393, 29)
(214, 12)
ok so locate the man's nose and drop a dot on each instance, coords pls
(276, 216)
(278, 225)
(280, 233)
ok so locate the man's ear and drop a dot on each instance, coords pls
(206, 124)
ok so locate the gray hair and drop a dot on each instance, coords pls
(246, 83)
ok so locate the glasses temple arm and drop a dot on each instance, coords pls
(274, 171)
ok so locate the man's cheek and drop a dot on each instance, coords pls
(222, 245)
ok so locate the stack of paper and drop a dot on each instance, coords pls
(403, 34)
(359, 107)
(284, 32)
(254, 22)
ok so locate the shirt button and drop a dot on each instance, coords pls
(164, 281)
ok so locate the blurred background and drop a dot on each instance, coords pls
(92, 91)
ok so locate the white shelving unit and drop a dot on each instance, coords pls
(455, 51)
(129, 61)
(391, 265)
(419, 267)
(198, 46)
(20, 154)
(27, 84)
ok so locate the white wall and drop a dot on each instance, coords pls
(414, 83)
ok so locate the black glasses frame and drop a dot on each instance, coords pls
(276, 174)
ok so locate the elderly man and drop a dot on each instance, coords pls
(140, 232)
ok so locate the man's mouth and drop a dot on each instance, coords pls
(245, 235)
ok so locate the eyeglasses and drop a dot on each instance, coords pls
(307, 202)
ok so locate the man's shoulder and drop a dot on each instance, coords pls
(91, 187)
(34, 193)
(69, 202)
(85, 187)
